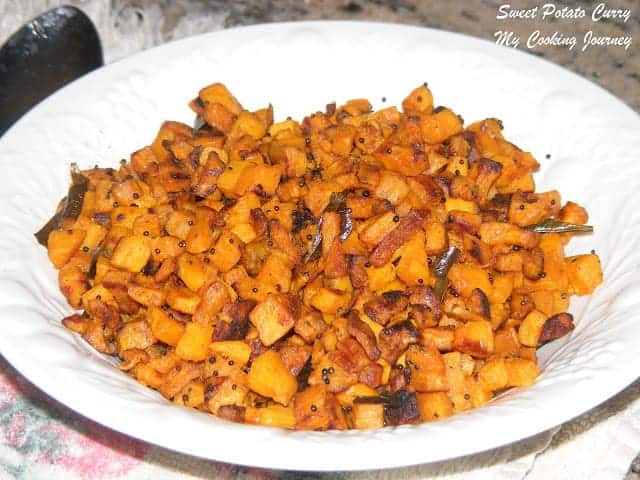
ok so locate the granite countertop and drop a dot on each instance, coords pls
(133, 25)
(127, 26)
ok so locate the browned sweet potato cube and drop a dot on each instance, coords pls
(475, 338)
(493, 375)
(132, 253)
(466, 278)
(427, 369)
(531, 328)
(194, 343)
(227, 252)
(164, 328)
(214, 298)
(433, 406)
(136, 334)
(311, 409)
(218, 93)
(62, 244)
(183, 300)
(270, 378)
(521, 372)
(419, 100)
(584, 272)
(368, 415)
(274, 317)
(271, 416)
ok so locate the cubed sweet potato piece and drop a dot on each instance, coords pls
(412, 268)
(235, 350)
(271, 416)
(164, 328)
(147, 296)
(347, 397)
(368, 415)
(218, 93)
(573, 213)
(379, 278)
(377, 228)
(434, 405)
(498, 233)
(136, 334)
(132, 253)
(420, 100)
(439, 126)
(584, 272)
(270, 378)
(214, 298)
(227, 252)
(493, 375)
(330, 301)
(531, 328)
(427, 369)
(438, 337)
(274, 317)
(62, 244)
(521, 372)
(312, 410)
(475, 338)
(194, 343)
(435, 238)
(191, 271)
(466, 278)
(183, 300)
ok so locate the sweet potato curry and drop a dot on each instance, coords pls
(354, 270)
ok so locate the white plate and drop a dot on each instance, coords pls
(595, 157)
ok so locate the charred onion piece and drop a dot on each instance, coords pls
(443, 264)
(551, 225)
(71, 208)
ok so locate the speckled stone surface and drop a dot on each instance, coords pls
(128, 26)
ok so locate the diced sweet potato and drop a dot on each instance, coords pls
(531, 328)
(427, 369)
(412, 268)
(235, 350)
(274, 317)
(191, 271)
(271, 416)
(183, 300)
(368, 415)
(434, 405)
(214, 298)
(62, 244)
(584, 272)
(466, 278)
(312, 410)
(474, 338)
(521, 372)
(494, 375)
(194, 343)
(227, 252)
(270, 378)
(147, 296)
(136, 334)
(330, 301)
(132, 253)
(164, 328)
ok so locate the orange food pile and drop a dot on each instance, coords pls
(354, 270)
